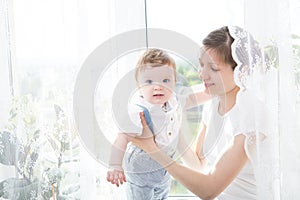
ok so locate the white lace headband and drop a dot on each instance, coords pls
(248, 55)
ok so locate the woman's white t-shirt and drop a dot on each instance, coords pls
(220, 130)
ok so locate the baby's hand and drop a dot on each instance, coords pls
(116, 177)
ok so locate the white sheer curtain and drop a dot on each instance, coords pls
(45, 42)
(4, 63)
(274, 23)
(49, 40)
(5, 82)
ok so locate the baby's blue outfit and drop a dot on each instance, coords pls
(145, 178)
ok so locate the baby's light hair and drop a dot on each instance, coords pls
(154, 58)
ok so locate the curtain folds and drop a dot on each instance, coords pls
(274, 24)
(43, 48)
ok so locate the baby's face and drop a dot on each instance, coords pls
(157, 84)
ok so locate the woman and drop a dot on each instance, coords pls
(230, 129)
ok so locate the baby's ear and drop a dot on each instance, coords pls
(140, 93)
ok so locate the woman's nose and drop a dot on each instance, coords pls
(202, 74)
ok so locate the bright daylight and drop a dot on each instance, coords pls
(149, 99)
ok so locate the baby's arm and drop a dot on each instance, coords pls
(196, 99)
(115, 174)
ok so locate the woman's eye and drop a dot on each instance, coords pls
(149, 81)
(214, 69)
(166, 80)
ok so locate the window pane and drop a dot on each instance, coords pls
(51, 40)
(194, 19)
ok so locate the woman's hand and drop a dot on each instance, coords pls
(146, 140)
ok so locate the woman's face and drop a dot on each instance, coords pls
(157, 84)
(216, 75)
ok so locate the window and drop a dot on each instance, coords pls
(43, 46)
(49, 42)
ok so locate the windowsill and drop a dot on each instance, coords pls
(182, 197)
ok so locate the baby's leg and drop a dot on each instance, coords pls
(136, 192)
(161, 191)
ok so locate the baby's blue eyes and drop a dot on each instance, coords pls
(164, 81)
(149, 81)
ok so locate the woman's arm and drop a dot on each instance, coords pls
(190, 156)
(206, 186)
(199, 144)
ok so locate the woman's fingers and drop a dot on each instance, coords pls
(143, 120)
(146, 130)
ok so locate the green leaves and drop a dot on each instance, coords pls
(20, 144)
(9, 147)
(19, 189)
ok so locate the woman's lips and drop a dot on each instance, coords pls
(208, 84)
